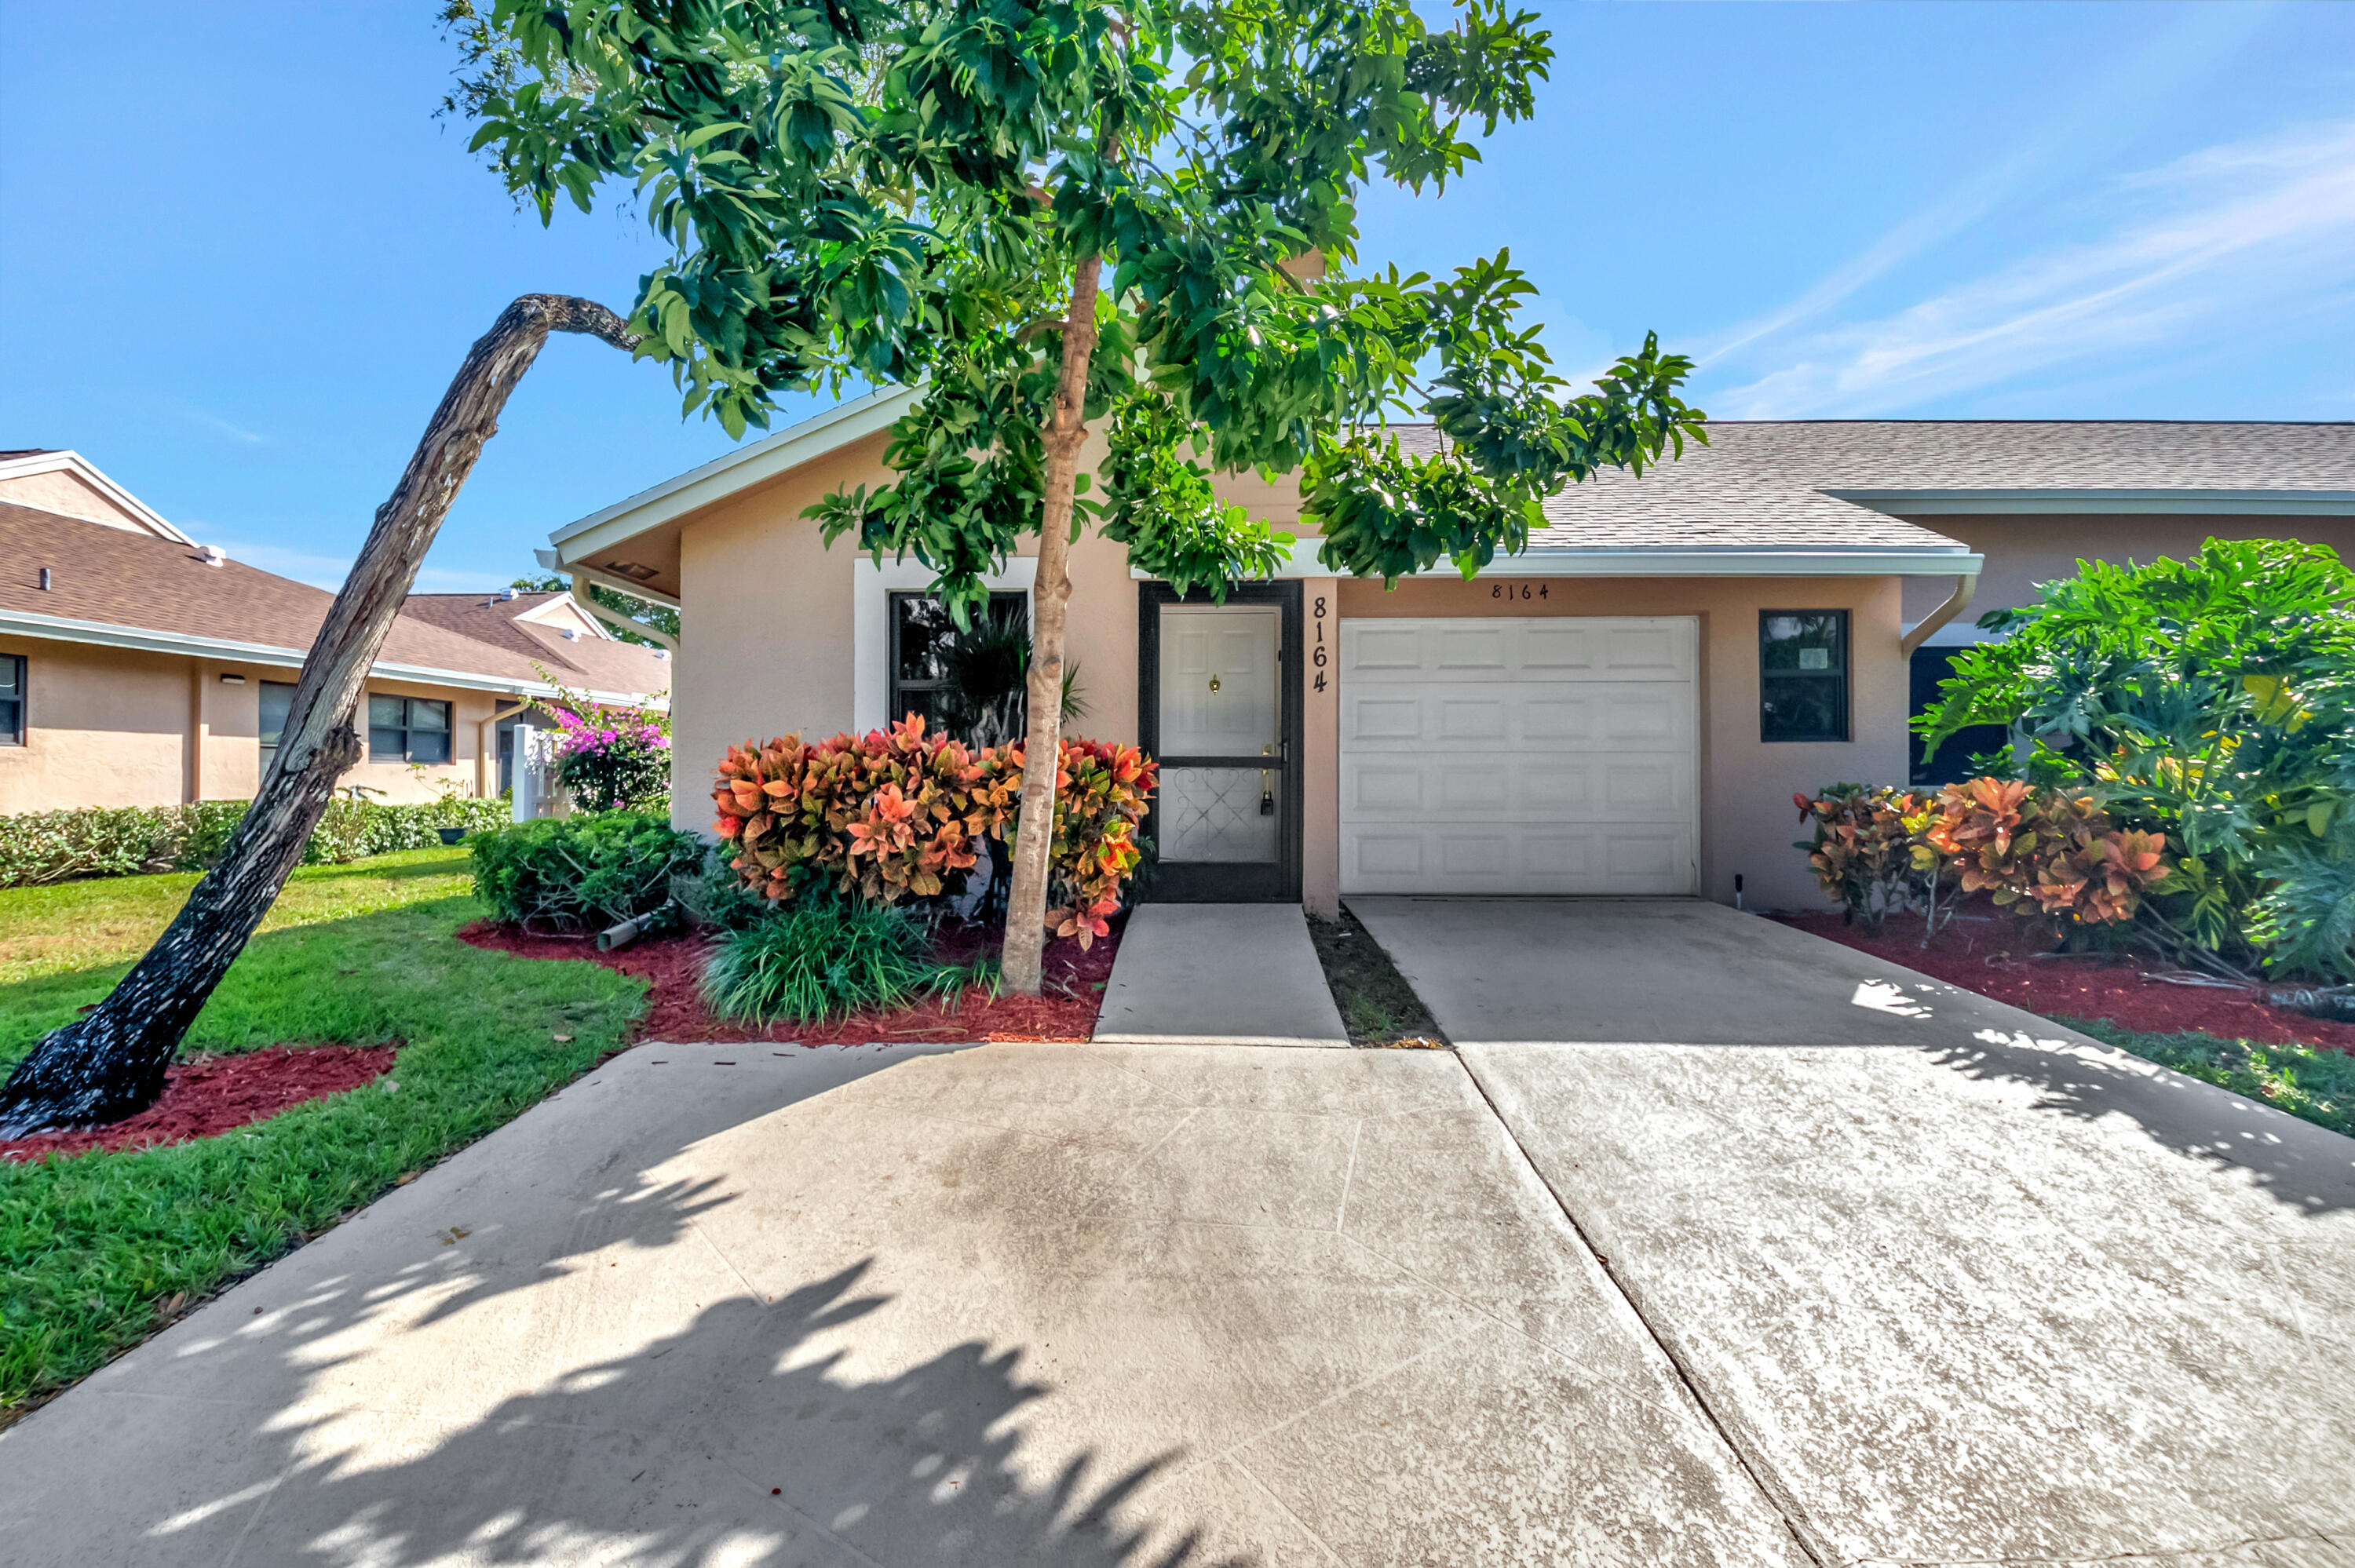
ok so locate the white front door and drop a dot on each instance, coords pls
(1221, 698)
(1541, 755)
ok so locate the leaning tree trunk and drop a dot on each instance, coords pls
(1025, 909)
(110, 1064)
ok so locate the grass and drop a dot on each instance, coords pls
(1378, 1007)
(2306, 1081)
(98, 1251)
(822, 958)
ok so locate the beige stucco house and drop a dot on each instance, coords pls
(1627, 708)
(138, 668)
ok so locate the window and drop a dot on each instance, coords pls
(1803, 674)
(277, 701)
(12, 699)
(408, 729)
(969, 684)
(1952, 761)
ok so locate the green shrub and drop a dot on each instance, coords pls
(825, 956)
(2209, 701)
(571, 873)
(62, 846)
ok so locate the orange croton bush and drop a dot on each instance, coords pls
(896, 812)
(2050, 855)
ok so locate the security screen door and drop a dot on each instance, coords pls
(1220, 705)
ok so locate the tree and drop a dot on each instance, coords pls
(109, 1063)
(932, 191)
(625, 615)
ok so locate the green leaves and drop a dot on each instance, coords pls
(894, 193)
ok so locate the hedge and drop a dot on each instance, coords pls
(123, 841)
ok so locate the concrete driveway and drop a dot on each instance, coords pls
(1958, 1285)
(2006, 1299)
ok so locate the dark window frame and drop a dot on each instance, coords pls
(895, 707)
(16, 725)
(408, 728)
(264, 739)
(1839, 675)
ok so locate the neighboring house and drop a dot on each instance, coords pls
(1627, 708)
(138, 668)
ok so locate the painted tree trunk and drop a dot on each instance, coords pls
(1025, 910)
(110, 1064)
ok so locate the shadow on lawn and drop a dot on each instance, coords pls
(264, 1429)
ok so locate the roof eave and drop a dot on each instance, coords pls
(716, 480)
(107, 634)
(2053, 501)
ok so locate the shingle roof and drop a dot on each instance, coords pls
(1763, 484)
(121, 578)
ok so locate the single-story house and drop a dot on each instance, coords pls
(138, 668)
(1626, 708)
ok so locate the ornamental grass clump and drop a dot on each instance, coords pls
(828, 956)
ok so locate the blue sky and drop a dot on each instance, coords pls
(242, 259)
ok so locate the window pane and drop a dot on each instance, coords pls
(1794, 707)
(12, 722)
(429, 745)
(385, 745)
(277, 701)
(423, 715)
(924, 627)
(1219, 814)
(387, 713)
(12, 676)
(1803, 640)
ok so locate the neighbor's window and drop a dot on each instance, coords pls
(277, 701)
(12, 699)
(408, 729)
(960, 683)
(1803, 674)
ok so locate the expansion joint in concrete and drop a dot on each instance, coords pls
(1754, 1466)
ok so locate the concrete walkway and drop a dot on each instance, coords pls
(1237, 974)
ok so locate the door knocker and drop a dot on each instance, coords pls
(1214, 683)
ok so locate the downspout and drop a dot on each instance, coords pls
(1965, 585)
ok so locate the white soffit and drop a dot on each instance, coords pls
(1559, 562)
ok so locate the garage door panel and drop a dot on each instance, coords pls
(1532, 858)
(1647, 788)
(1522, 649)
(1537, 756)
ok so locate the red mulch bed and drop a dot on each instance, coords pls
(671, 966)
(1989, 954)
(213, 1094)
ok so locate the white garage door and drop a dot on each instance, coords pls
(1536, 755)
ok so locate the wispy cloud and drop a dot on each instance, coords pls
(2201, 247)
(329, 571)
(221, 427)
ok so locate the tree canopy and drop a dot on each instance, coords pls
(856, 191)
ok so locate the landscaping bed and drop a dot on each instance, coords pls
(213, 1094)
(672, 968)
(1989, 954)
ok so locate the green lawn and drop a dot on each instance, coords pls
(2304, 1080)
(98, 1251)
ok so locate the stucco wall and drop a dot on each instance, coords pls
(105, 727)
(1747, 823)
(110, 726)
(2024, 551)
